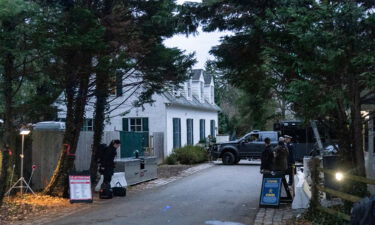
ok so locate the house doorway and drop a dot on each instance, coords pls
(133, 141)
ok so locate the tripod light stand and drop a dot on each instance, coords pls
(22, 180)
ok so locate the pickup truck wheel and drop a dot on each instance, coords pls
(228, 158)
(237, 161)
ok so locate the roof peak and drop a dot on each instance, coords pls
(196, 73)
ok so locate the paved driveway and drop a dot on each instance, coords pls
(220, 195)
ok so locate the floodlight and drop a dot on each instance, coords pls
(21, 181)
(339, 176)
(24, 132)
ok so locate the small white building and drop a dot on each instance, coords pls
(182, 116)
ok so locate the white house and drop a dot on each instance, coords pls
(183, 116)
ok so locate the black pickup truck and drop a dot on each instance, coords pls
(249, 146)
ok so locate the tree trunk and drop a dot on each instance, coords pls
(8, 121)
(101, 90)
(76, 102)
(101, 94)
(4, 173)
(358, 133)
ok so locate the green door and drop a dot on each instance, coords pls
(132, 141)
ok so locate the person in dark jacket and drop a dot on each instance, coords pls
(291, 160)
(108, 161)
(267, 156)
(363, 212)
(281, 156)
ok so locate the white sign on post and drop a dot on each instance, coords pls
(80, 188)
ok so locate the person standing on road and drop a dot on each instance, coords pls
(281, 156)
(281, 163)
(291, 160)
(267, 157)
(210, 141)
(107, 165)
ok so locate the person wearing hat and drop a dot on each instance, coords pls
(291, 160)
(280, 156)
(107, 162)
(267, 157)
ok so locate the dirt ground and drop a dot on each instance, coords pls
(30, 208)
(166, 171)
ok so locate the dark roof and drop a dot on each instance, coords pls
(195, 74)
(207, 78)
(194, 103)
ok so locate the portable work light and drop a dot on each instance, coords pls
(339, 176)
(22, 181)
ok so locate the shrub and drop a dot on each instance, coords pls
(320, 218)
(202, 141)
(191, 154)
(171, 159)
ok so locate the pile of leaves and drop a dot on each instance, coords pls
(19, 208)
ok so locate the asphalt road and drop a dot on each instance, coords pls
(220, 195)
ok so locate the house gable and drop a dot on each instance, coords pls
(198, 84)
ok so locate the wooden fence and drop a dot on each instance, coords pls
(316, 171)
(46, 147)
(158, 146)
(83, 154)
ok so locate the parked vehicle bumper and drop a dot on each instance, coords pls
(215, 153)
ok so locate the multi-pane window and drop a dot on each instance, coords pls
(139, 124)
(87, 125)
(112, 86)
(176, 133)
(135, 124)
(190, 133)
(116, 84)
(202, 129)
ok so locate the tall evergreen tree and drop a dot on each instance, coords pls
(77, 37)
(97, 41)
(19, 54)
(144, 63)
(318, 54)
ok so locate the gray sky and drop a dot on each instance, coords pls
(200, 44)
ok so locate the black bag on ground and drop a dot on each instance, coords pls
(106, 191)
(119, 190)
